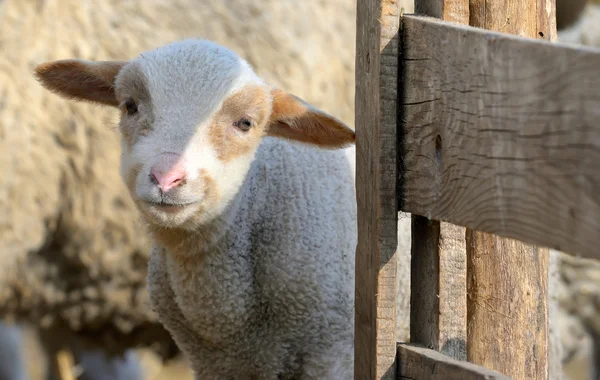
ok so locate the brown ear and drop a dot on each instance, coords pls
(81, 80)
(293, 118)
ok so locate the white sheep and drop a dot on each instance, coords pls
(73, 261)
(249, 202)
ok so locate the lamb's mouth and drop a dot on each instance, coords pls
(170, 206)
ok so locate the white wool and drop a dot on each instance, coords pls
(271, 296)
(199, 71)
(277, 297)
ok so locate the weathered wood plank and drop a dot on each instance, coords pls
(448, 10)
(502, 134)
(507, 306)
(438, 311)
(546, 20)
(508, 279)
(438, 255)
(376, 128)
(423, 364)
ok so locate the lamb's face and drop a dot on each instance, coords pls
(192, 116)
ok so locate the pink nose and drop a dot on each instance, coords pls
(168, 172)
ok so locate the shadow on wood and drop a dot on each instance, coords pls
(376, 158)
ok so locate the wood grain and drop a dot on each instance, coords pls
(508, 279)
(502, 134)
(376, 173)
(507, 306)
(547, 29)
(424, 364)
(546, 20)
(438, 265)
(438, 311)
(456, 11)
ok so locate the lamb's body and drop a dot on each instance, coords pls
(277, 292)
(254, 233)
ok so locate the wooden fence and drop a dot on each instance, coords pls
(470, 117)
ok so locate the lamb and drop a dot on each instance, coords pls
(74, 263)
(248, 195)
(74, 260)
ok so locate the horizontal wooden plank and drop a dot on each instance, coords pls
(501, 134)
(422, 364)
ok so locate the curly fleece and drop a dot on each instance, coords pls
(277, 298)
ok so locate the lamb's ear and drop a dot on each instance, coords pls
(293, 118)
(81, 80)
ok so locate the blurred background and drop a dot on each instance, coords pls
(73, 303)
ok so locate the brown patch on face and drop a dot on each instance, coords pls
(132, 85)
(251, 102)
(294, 119)
(207, 186)
(81, 80)
(211, 192)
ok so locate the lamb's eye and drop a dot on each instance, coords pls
(130, 106)
(243, 124)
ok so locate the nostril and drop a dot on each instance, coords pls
(168, 177)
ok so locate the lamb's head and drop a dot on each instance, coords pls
(192, 116)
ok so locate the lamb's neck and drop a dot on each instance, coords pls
(185, 242)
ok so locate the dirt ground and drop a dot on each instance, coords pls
(576, 369)
(152, 367)
(156, 371)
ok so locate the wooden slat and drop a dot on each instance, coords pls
(508, 279)
(546, 20)
(376, 128)
(523, 326)
(447, 10)
(502, 134)
(438, 309)
(507, 306)
(438, 317)
(424, 364)
(548, 31)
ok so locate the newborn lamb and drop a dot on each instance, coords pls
(250, 203)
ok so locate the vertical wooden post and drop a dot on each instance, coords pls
(375, 110)
(508, 279)
(447, 10)
(438, 314)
